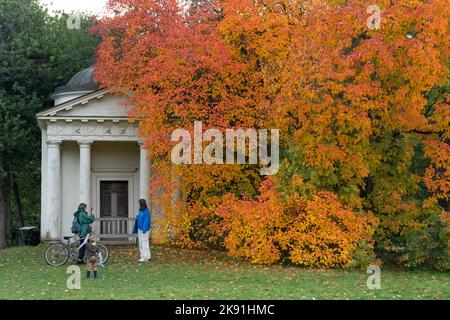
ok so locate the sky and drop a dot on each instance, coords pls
(92, 6)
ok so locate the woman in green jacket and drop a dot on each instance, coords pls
(84, 220)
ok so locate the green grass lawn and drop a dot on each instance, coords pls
(184, 274)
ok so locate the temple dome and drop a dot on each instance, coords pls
(80, 84)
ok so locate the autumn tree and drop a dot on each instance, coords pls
(363, 115)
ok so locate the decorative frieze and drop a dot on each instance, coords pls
(76, 128)
(107, 129)
(92, 130)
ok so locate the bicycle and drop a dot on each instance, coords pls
(57, 254)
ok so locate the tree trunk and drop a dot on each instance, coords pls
(19, 212)
(7, 200)
(3, 218)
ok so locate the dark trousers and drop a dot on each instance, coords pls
(82, 250)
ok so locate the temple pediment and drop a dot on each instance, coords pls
(96, 105)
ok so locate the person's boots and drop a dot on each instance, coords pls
(88, 274)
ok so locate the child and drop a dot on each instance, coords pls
(92, 253)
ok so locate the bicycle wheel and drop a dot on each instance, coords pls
(56, 254)
(103, 251)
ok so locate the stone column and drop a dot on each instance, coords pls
(44, 215)
(85, 173)
(53, 198)
(144, 171)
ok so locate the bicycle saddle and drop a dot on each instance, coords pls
(68, 237)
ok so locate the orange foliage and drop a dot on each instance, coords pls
(437, 176)
(316, 232)
(324, 233)
(352, 106)
(252, 227)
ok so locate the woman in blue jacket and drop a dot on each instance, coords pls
(142, 227)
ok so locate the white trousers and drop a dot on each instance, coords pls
(144, 245)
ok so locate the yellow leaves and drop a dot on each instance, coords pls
(317, 232)
(440, 119)
(344, 95)
(429, 203)
(437, 175)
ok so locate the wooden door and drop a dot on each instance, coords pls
(114, 205)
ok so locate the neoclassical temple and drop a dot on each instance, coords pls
(91, 153)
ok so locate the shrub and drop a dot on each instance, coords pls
(312, 232)
(252, 227)
(324, 233)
